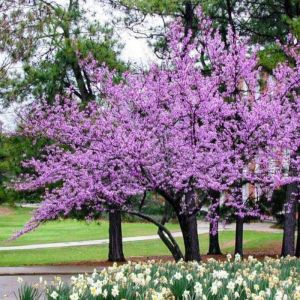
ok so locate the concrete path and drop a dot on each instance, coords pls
(9, 276)
(47, 270)
(203, 227)
(9, 284)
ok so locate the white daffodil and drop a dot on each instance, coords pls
(20, 280)
(189, 277)
(54, 295)
(115, 291)
(178, 276)
(186, 294)
(74, 296)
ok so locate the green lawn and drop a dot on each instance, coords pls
(65, 230)
(253, 240)
(72, 230)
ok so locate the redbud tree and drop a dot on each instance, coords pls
(195, 122)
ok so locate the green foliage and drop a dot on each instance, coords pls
(50, 77)
(13, 150)
(53, 34)
(43, 79)
(27, 292)
(271, 56)
(295, 26)
(262, 21)
(155, 6)
(62, 290)
(104, 52)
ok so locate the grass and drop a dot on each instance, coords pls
(65, 230)
(72, 230)
(253, 240)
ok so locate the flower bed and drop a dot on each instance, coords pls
(274, 279)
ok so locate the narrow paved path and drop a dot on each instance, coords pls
(47, 270)
(9, 276)
(203, 227)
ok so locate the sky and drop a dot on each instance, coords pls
(135, 49)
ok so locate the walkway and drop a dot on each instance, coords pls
(203, 227)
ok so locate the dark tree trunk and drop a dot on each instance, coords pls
(163, 233)
(188, 225)
(297, 253)
(297, 9)
(188, 16)
(85, 95)
(169, 213)
(239, 232)
(288, 8)
(115, 237)
(214, 245)
(289, 225)
(229, 6)
(174, 249)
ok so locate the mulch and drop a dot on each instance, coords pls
(104, 263)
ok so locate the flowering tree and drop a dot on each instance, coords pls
(187, 125)
(89, 176)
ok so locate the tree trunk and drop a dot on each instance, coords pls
(174, 249)
(188, 16)
(214, 245)
(239, 232)
(229, 6)
(115, 237)
(188, 225)
(297, 253)
(288, 8)
(163, 233)
(85, 95)
(289, 226)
